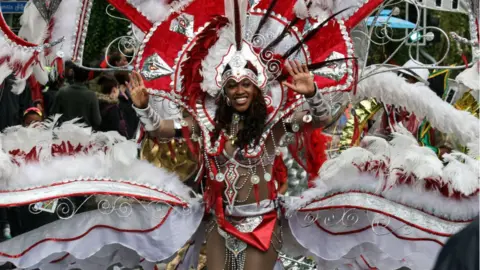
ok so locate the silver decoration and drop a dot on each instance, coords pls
(220, 177)
(307, 118)
(255, 179)
(65, 208)
(297, 263)
(155, 67)
(47, 206)
(249, 224)
(126, 46)
(295, 127)
(183, 24)
(335, 71)
(287, 139)
(122, 207)
(232, 244)
(398, 211)
(46, 8)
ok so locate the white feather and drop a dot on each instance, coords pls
(214, 58)
(154, 10)
(110, 156)
(33, 26)
(5, 71)
(470, 77)
(7, 168)
(402, 154)
(419, 99)
(65, 26)
(321, 9)
(41, 74)
(19, 86)
(431, 202)
(300, 9)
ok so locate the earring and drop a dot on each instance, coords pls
(229, 103)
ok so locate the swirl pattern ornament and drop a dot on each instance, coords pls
(375, 204)
(64, 208)
(123, 207)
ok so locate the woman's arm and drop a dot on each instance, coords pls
(319, 112)
(150, 118)
(159, 128)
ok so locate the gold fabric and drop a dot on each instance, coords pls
(468, 103)
(364, 111)
(181, 161)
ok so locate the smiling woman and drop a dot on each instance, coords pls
(244, 103)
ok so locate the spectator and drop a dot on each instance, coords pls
(12, 106)
(118, 59)
(461, 252)
(112, 115)
(69, 66)
(125, 103)
(32, 115)
(77, 101)
(50, 93)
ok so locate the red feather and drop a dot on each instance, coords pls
(192, 66)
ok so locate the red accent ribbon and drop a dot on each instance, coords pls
(132, 14)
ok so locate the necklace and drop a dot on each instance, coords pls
(234, 127)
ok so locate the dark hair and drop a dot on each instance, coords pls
(122, 77)
(114, 58)
(80, 74)
(107, 83)
(254, 121)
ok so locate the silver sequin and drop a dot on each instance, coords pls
(155, 67)
(334, 71)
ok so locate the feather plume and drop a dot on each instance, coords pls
(236, 12)
(389, 88)
(317, 65)
(311, 34)
(301, 10)
(265, 17)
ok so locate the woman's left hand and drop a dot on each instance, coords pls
(303, 82)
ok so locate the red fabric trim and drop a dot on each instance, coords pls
(132, 14)
(261, 237)
(86, 233)
(367, 264)
(371, 194)
(10, 35)
(91, 180)
(35, 89)
(377, 225)
(362, 13)
(61, 258)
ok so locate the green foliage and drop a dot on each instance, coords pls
(102, 29)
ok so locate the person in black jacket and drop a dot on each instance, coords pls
(77, 101)
(112, 115)
(12, 106)
(461, 252)
(125, 103)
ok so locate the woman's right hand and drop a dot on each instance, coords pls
(138, 91)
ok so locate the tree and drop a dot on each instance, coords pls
(102, 29)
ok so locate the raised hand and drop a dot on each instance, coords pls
(138, 91)
(303, 82)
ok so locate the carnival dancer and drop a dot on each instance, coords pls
(222, 62)
(248, 227)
